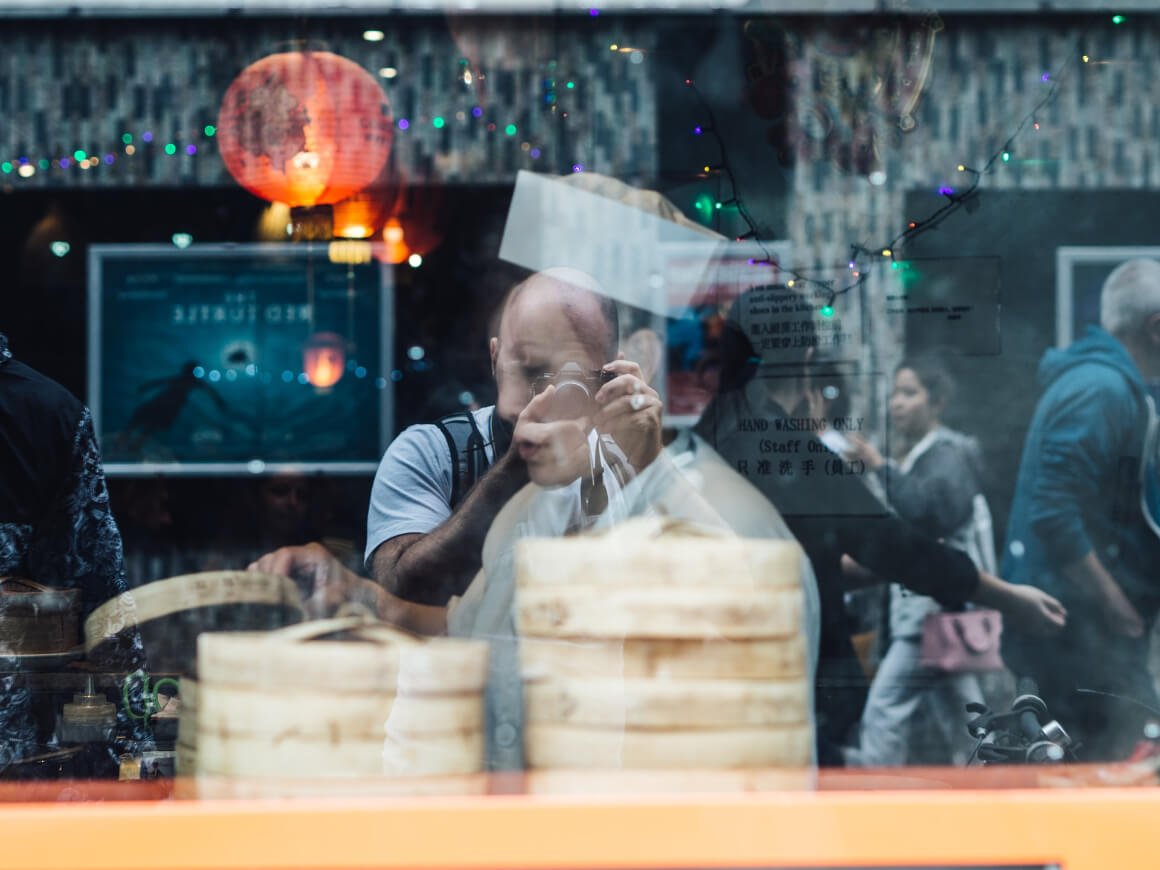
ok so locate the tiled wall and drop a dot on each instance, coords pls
(75, 86)
(1102, 130)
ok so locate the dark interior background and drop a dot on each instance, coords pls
(997, 393)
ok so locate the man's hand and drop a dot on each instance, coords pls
(329, 584)
(1118, 613)
(555, 450)
(630, 412)
(325, 583)
(1027, 608)
(862, 449)
(1034, 611)
(1092, 580)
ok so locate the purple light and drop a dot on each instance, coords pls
(404, 123)
(63, 163)
(577, 167)
(1046, 77)
(535, 152)
(147, 136)
(697, 130)
(477, 112)
(593, 12)
(946, 191)
(852, 264)
(109, 158)
(190, 150)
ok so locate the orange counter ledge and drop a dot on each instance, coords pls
(1078, 818)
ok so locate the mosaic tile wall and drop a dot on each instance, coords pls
(82, 91)
(1101, 129)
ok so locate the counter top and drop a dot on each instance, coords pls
(1079, 817)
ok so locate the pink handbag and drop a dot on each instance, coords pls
(965, 642)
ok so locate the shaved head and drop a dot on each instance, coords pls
(580, 298)
(555, 317)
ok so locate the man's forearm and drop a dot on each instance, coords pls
(1091, 578)
(430, 568)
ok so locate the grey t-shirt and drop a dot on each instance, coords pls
(412, 490)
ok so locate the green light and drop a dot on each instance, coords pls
(79, 155)
(704, 205)
(1118, 19)
(895, 265)
(437, 123)
(827, 311)
(210, 129)
(510, 129)
(717, 206)
(43, 164)
(6, 167)
(127, 138)
(1006, 156)
(570, 85)
(170, 149)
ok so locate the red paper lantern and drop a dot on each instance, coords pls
(324, 359)
(305, 128)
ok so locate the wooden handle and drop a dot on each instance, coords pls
(304, 631)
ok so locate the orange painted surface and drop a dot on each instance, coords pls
(1087, 828)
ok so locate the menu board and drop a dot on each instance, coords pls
(240, 358)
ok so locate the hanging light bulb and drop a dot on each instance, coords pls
(324, 359)
(396, 244)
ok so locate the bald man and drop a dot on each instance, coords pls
(592, 412)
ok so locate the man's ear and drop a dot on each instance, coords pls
(493, 349)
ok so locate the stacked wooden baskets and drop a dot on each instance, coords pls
(668, 652)
(338, 698)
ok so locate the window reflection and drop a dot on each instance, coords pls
(733, 391)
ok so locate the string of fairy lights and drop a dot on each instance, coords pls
(184, 144)
(27, 167)
(829, 290)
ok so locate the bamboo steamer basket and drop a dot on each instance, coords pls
(36, 619)
(597, 611)
(669, 556)
(570, 747)
(649, 703)
(339, 698)
(688, 659)
(653, 648)
(186, 747)
(170, 614)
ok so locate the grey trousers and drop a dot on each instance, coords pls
(915, 714)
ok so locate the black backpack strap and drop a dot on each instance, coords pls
(468, 456)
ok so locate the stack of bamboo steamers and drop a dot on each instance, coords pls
(652, 648)
(336, 698)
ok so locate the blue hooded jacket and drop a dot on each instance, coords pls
(1078, 487)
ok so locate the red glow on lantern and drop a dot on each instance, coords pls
(305, 128)
(363, 215)
(324, 359)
